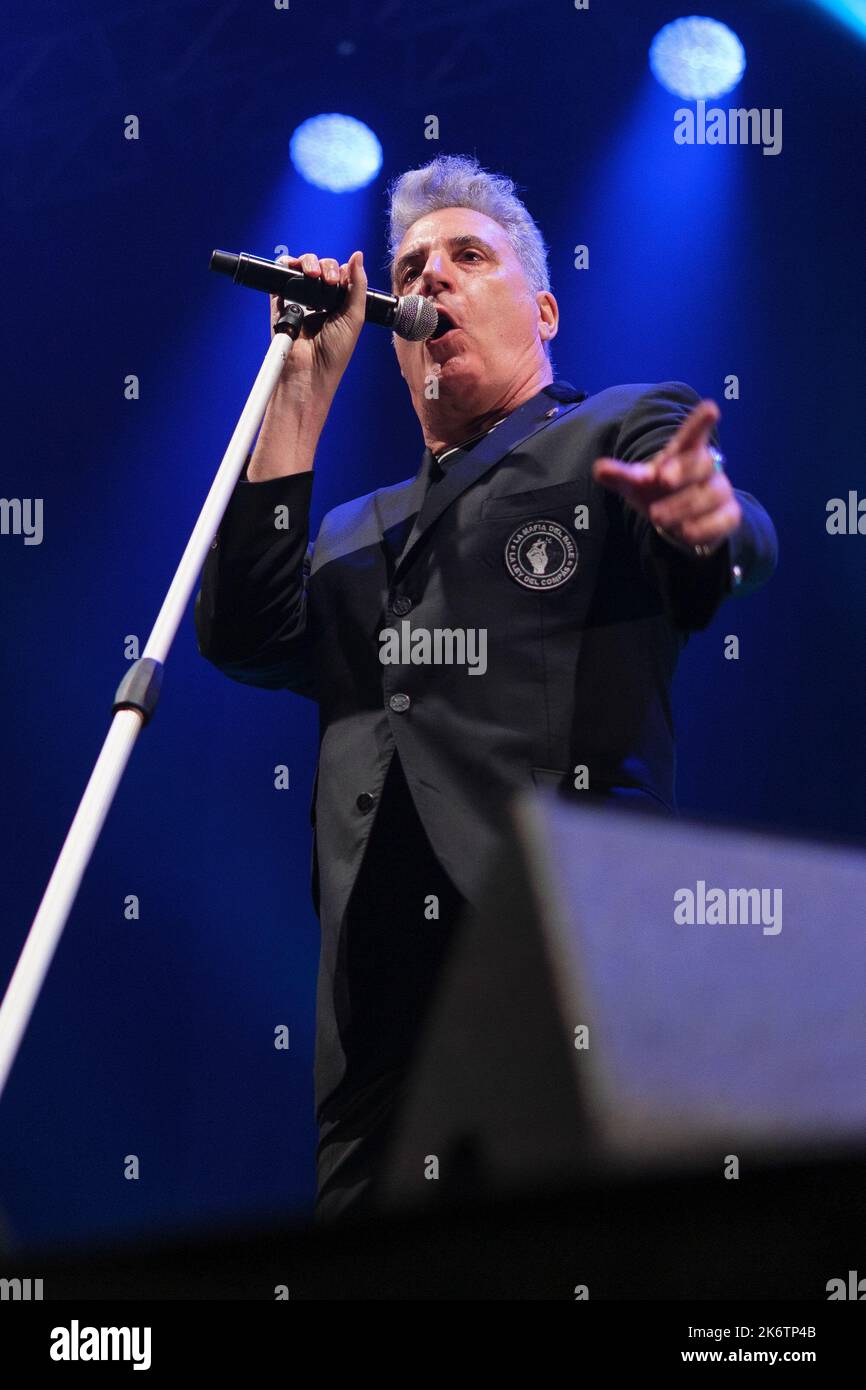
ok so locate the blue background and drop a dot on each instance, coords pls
(155, 1037)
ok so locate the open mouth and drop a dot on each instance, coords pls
(445, 325)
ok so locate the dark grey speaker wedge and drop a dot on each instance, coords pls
(637, 991)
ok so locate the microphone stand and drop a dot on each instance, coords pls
(134, 704)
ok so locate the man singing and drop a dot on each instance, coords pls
(574, 541)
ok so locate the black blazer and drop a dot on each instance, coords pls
(585, 610)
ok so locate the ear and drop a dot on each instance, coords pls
(548, 316)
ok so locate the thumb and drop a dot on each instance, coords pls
(356, 299)
(620, 477)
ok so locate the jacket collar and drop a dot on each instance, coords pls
(556, 399)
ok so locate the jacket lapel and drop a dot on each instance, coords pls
(520, 425)
(396, 512)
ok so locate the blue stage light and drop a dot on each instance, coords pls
(697, 57)
(336, 152)
(850, 12)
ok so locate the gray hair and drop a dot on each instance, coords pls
(458, 181)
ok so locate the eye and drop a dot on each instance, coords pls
(477, 254)
(408, 274)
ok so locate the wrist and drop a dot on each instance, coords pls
(695, 552)
(300, 406)
(289, 435)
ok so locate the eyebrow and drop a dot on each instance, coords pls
(454, 243)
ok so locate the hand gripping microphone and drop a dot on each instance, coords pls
(410, 316)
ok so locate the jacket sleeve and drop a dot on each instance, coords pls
(692, 587)
(251, 612)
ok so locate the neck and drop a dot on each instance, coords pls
(449, 420)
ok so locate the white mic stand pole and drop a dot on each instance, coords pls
(133, 706)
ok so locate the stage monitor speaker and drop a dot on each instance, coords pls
(638, 990)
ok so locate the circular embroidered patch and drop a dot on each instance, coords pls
(541, 555)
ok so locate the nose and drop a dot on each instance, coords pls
(437, 273)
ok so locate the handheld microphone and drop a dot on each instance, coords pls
(410, 316)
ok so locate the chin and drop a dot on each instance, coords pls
(459, 373)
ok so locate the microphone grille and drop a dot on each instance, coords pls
(415, 318)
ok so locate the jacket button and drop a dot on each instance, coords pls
(401, 605)
(366, 801)
(399, 703)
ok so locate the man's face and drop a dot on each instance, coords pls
(463, 261)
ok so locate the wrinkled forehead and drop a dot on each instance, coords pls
(437, 230)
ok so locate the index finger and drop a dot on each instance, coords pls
(694, 430)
